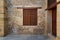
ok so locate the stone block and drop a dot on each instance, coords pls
(1, 19)
(1, 10)
(1, 24)
(2, 15)
(1, 31)
(1, 3)
(1, 6)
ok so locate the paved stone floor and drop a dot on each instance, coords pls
(25, 37)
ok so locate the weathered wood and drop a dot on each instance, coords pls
(53, 5)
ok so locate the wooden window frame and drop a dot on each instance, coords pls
(36, 15)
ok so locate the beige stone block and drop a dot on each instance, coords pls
(1, 3)
(19, 22)
(1, 24)
(1, 31)
(58, 34)
(1, 10)
(1, 19)
(2, 15)
(18, 12)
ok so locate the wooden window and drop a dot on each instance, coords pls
(30, 16)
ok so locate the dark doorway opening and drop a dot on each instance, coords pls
(54, 28)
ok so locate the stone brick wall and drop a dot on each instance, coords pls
(58, 19)
(1, 18)
(16, 16)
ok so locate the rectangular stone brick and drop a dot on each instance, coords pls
(1, 3)
(1, 31)
(1, 10)
(1, 19)
(1, 23)
(1, 6)
(1, 15)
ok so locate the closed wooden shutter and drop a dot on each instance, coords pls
(30, 17)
